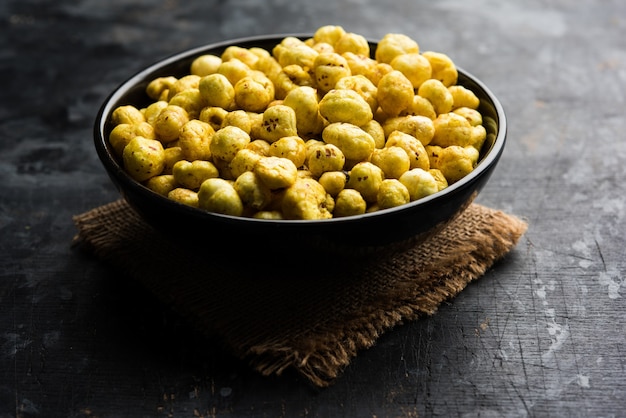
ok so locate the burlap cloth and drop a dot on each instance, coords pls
(315, 319)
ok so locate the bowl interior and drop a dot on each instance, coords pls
(362, 234)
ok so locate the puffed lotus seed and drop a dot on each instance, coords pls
(227, 142)
(419, 183)
(354, 142)
(395, 93)
(217, 90)
(349, 202)
(366, 178)
(143, 158)
(219, 196)
(205, 65)
(394, 44)
(192, 174)
(443, 68)
(345, 105)
(392, 193)
(169, 122)
(437, 94)
(278, 121)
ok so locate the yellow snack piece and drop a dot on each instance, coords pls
(151, 112)
(260, 147)
(169, 122)
(194, 140)
(443, 68)
(242, 54)
(191, 100)
(360, 64)
(420, 106)
(253, 94)
(352, 42)
(205, 65)
(252, 191)
(184, 83)
(290, 147)
(361, 85)
(323, 158)
(293, 51)
(267, 64)
(333, 181)
(354, 142)
(214, 116)
(418, 157)
(393, 44)
(414, 66)
(392, 193)
(239, 118)
(234, 70)
(455, 162)
(184, 196)
(143, 158)
(463, 97)
(219, 196)
(278, 121)
(290, 77)
(123, 133)
(393, 160)
(127, 114)
(224, 168)
(395, 93)
(419, 183)
(323, 48)
(344, 105)
(192, 174)
(256, 124)
(349, 202)
(172, 156)
(420, 127)
(452, 129)
(268, 214)
(329, 34)
(227, 142)
(276, 172)
(159, 88)
(303, 100)
(306, 199)
(329, 68)
(366, 178)
(437, 94)
(376, 131)
(442, 183)
(245, 160)
(162, 184)
(217, 90)
(473, 116)
(479, 135)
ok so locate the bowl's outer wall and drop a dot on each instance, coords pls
(359, 233)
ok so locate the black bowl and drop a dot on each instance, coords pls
(364, 235)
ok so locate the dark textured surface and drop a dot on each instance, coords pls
(542, 334)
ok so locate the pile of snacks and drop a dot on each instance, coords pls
(312, 129)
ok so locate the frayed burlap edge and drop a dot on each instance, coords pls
(422, 278)
(325, 357)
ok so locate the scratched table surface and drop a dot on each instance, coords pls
(541, 334)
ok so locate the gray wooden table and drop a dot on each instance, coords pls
(541, 334)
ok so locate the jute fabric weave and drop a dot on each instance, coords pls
(314, 317)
